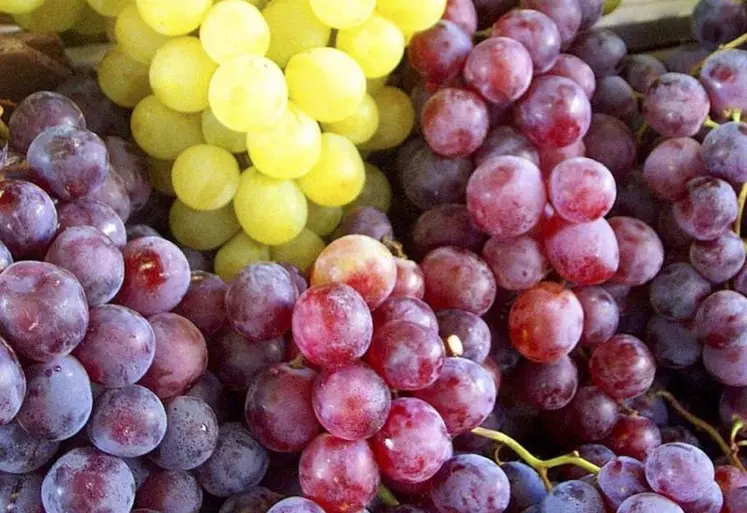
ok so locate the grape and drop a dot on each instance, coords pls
(429, 180)
(551, 157)
(729, 477)
(526, 486)
(412, 15)
(181, 356)
(547, 386)
(238, 463)
(86, 212)
(39, 111)
(673, 344)
(439, 53)
(472, 331)
(323, 220)
(622, 367)
(123, 79)
(506, 196)
(20, 6)
(518, 264)
(218, 135)
(170, 492)
(727, 364)
(88, 480)
(410, 279)
(610, 142)
(555, 112)
(446, 225)
(535, 31)
(376, 44)
(671, 165)
(597, 454)
(21, 452)
(407, 355)
(566, 14)
(641, 70)
(710, 502)
(141, 468)
(161, 132)
(413, 444)
(463, 13)
(614, 96)
(405, 309)
(679, 471)
(506, 141)
(649, 503)
(396, 119)
(678, 290)
(455, 122)
(135, 37)
(620, 478)
(718, 260)
(545, 322)
(296, 505)
(114, 194)
(581, 190)
(570, 66)
(641, 251)
(338, 176)
(470, 482)
(22, 493)
(721, 149)
(573, 497)
(251, 35)
(28, 219)
(6, 259)
(205, 177)
(679, 434)
(129, 163)
(586, 253)
(203, 304)
(676, 105)
(237, 361)
(602, 50)
(127, 422)
(13, 384)
(368, 221)
(708, 208)
(735, 500)
(377, 191)
(257, 500)
(237, 253)
(593, 414)
(720, 75)
(718, 21)
(500, 68)
(634, 436)
(601, 315)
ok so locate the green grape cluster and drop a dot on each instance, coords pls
(298, 86)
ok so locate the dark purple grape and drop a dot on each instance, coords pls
(714, 22)
(535, 31)
(238, 463)
(68, 161)
(641, 251)
(256, 500)
(88, 480)
(570, 66)
(97, 109)
(710, 502)
(673, 237)
(13, 384)
(727, 365)
(526, 486)
(505, 141)
(566, 14)
(191, 435)
(21, 452)
(601, 315)
(369, 221)
(439, 53)
(573, 497)
(623, 367)
(614, 96)
(518, 264)
(204, 304)
(676, 105)
(472, 331)
(723, 74)
(684, 58)
(405, 309)
(678, 290)
(114, 193)
(87, 212)
(28, 219)
(547, 386)
(673, 344)
(721, 319)
(720, 259)
(141, 468)
(446, 225)
(455, 121)
(198, 261)
(593, 414)
(170, 492)
(620, 478)
(473, 480)
(679, 471)
(641, 70)
(649, 503)
(634, 436)
(636, 199)
(610, 142)
(722, 152)
(38, 112)
(296, 505)
(237, 361)
(21, 493)
(602, 50)
(671, 165)
(130, 164)
(127, 422)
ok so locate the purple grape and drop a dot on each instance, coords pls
(257, 500)
(671, 165)
(88, 480)
(602, 50)
(170, 492)
(505, 141)
(676, 105)
(678, 290)
(720, 259)
(298, 280)
(204, 304)
(157, 276)
(97, 109)
(727, 365)
(68, 161)
(636, 199)
(526, 486)
(138, 231)
(28, 219)
(566, 14)
(684, 58)
(708, 209)
(21, 452)
(570, 66)
(735, 500)
(238, 463)
(237, 361)
(13, 384)
(673, 344)
(620, 478)
(518, 264)
(209, 389)
(714, 22)
(130, 164)
(405, 309)
(471, 330)
(641, 70)
(113, 193)
(722, 75)
(648, 503)
(446, 225)
(723, 152)
(471, 481)
(536, 31)
(86, 212)
(38, 112)
(296, 505)
(679, 471)
(593, 414)
(573, 497)
(622, 367)
(197, 260)
(455, 121)
(141, 468)
(610, 142)
(721, 319)
(601, 315)
(365, 220)
(547, 386)
(439, 53)
(710, 502)
(499, 69)
(614, 96)
(21, 493)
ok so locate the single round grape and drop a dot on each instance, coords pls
(676, 105)
(720, 259)
(238, 463)
(244, 20)
(526, 486)
(405, 309)
(678, 290)
(396, 119)
(506, 196)
(413, 444)
(622, 367)
(722, 319)
(641, 251)
(601, 315)
(128, 161)
(679, 471)
(87, 212)
(535, 31)
(500, 69)
(620, 478)
(718, 21)
(361, 262)
(368, 221)
(573, 497)
(581, 189)
(649, 503)
(294, 28)
(181, 356)
(546, 322)
(296, 505)
(614, 97)
(13, 385)
(610, 142)
(446, 225)
(593, 414)
(672, 164)
(455, 122)
(506, 141)
(708, 209)
(39, 111)
(127, 422)
(710, 502)
(472, 332)
(547, 386)
(410, 279)
(22, 452)
(518, 264)
(727, 364)
(470, 479)
(721, 74)
(555, 112)
(237, 361)
(28, 219)
(634, 436)
(673, 344)
(570, 66)
(602, 50)
(721, 149)
(439, 53)
(463, 13)
(88, 480)
(203, 304)
(641, 70)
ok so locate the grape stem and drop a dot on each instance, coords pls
(709, 123)
(740, 215)
(727, 46)
(704, 426)
(386, 496)
(395, 247)
(541, 466)
(736, 427)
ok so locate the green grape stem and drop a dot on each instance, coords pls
(386, 496)
(726, 46)
(736, 427)
(541, 466)
(741, 200)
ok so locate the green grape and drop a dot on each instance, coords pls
(236, 254)
(51, 16)
(19, 6)
(293, 28)
(123, 79)
(248, 93)
(301, 251)
(234, 28)
(180, 74)
(412, 15)
(342, 14)
(396, 119)
(173, 17)
(161, 132)
(287, 149)
(376, 193)
(377, 45)
(323, 220)
(326, 83)
(259, 4)
(135, 37)
(338, 177)
(270, 211)
(203, 230)
(374, 84)
(360, 126)
(159, 175)
(205, 177)
(217, 134)
(90, 23)
(109, 7)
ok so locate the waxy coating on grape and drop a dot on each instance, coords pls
(473, 480)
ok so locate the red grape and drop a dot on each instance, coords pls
(581, 190)
(718, 21)
(570, 66)
(446, 225)
(500, 69)
(641, 70)
(536, 31)
(671, 165)
(547, 386)
(676, 105)
(634, 436)
(527, 488)
(405, 309)
(40, 111)
(87, 212)
(473, 480)
(410, 280)
(170, 492)
(649, 503)
(455, 121)
(680, 471)
(566, 14)
(237, 361)
(601, 315)
(728, 365)
(130, 163)
(673, 344)
(722, 150)
(114, 193)
(439, 53)
(721, 319)
(615, 97)
(573, 497)
(729, 477)
(593, 414)
(296, 505)
(204, 302)
(620, 478)
(641, 251)
(551, 157)
(723, 75)
(518, 264)
(622, 367)
(708, 208)
(463, 13)
(472, 331)
(710, 502)
(22, 452)
(720, 259)
(678, 290)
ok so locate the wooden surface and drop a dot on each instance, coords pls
(651, 24)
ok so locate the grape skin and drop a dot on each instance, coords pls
(610, 142)
(38, 112)
(678, 290)
(13, 385)
(622, 367)
(405, 309)
(28, 218)
(548, 386)
(601, 315)
(455, 122)
(593, 414)
(470, 482)
(649, 503)
(641, 251)
(573, 497)
(503, 141)
(570, 66)
(676, 105)
(708, 209)
(440, 52)
(170, 491)
(22, 452)
(204, 302)
(602, 50)
(472, 331)
(641, 70)
(721, 319)
(634, 436)
(721, 152)
(446, 225)
(237, 361)
(673, 344)
(500, 69)
(721, 74)
(718, 260)
(566, 14)
(536, 31)
(581, 190)
(620, 478)
(88, 212)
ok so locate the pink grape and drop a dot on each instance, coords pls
(570, 66)
(296, 505)
(721, 75)
(679, 471)
(551, 157)
(708, 208)
(405, 309)
(678, 290)
(676, 105)
(722, 149)
(455, 122)
(113, 192)
(671, 165)
(614, 97)
(641, 251)
(130, 163)
(649, 503)
(22, 452)
(204, 302)
(410, 280)
(472, 331)
(518, 264)
(728, 364)
(720, 259)
(593, 414)
(470, 479)
(446, 225)
(581, 190)
(622, 367)
(463, 13)
(601, 315)
(440, 52)
(535, 31)
(641, 70)
(500, 69)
